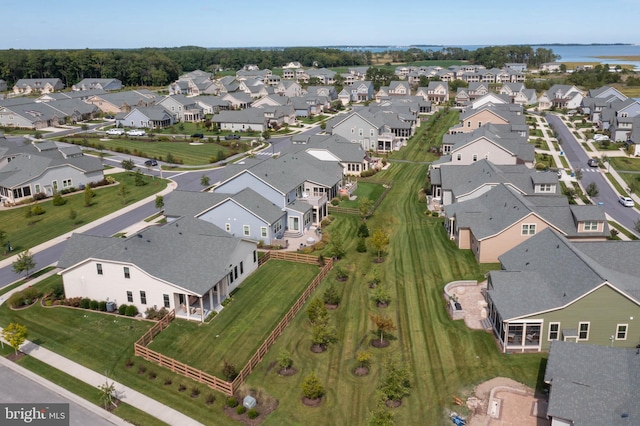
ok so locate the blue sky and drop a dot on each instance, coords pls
(71, 24)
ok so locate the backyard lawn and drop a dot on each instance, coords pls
(25, 233)
(236, 333)
(369, 190)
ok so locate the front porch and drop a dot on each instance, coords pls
(198, 308)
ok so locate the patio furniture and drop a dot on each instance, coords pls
(531, 337)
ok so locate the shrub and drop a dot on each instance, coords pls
(30, 294)
(210, 399)
(58, 200)
(363, 230)
(58, 290)
(102, 306)
(232, 402)
(240, 409)
(331, 296)
(195, 392)
(93, 305)
(122, 309)
(362, 245)
(154, 313)
(311, 387)
(167, 381)
(74, 302)
(341, 272)
(229, 371)
(152, 375)
(142, 369)
(131, 311)
(37, 210)
(335, 201)
(253, 413)
(85, 303)
(16, 300)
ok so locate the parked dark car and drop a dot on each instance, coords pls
(592, 162)
(197, 136)
(232, 137)
(150, 163)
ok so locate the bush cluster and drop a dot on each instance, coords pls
(368, 173)
(24, 297)
(153, 313)
(128, 310)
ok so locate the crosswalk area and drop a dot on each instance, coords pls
(268, 153)
(591, 169)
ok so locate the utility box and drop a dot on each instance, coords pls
(249, 402)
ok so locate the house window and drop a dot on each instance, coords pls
(255, 256)
(227, 227)
(459, 157)
(360, 132)
(528, 229)
(54, 184)
(241, 268)
(126, 272)
(165, 297)
(590, 225)
(246, 230)
(371, 132)
(26, 191)
(99, 268)
(475, 157)
(235, 272)
(66, 183)
(37, 188)
(129, 297)
(231, 277)
(263, 231)
(583, 331)
(143, 297)
(621, 331)
(554, 330)
(468, 124)
(277, 227)
(353, 130)
(479, 123)
(545, 187)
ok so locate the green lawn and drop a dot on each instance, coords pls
(369, 190)
(428, 136)
(182, 151)
(55, 221)
(625, 164)
(236, 333)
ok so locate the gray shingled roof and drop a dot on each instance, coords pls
(547, 272)
(189, 253)
(593, 385)
(258, 205)
(190, 203)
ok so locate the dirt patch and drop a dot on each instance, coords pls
(331, 307)
(288, 372)
(382, 305)
(360, 371)
(318, 349)
(393, 403)
(265, 405)
(378, 260)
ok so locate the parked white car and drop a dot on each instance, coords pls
(599, 137)
(626, 201)
(136, 132)
(115, 131)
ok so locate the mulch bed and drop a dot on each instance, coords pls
(392, 403)
(15, 356)
(331, 307)
(318, 349)
(342, 279)
(288, 372)
(360, 371)
(263, 407)
(311, 402)
(382, 305)
(377, 343)
(378, 260)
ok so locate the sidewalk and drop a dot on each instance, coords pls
(124, 393)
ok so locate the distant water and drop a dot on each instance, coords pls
(568, 53)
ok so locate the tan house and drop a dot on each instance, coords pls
(490, 113)
(502, 218)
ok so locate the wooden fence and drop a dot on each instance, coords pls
(141, 349)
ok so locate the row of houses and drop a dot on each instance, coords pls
(209, 244)
(510, 73)
(30, 86)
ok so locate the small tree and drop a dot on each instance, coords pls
(73, 215)
(322, 335)
(380, 240)
(384, 325)
(138, 179)
(317, 312)
(284, 360)
(336, 245)
(123, 192)
(107, 394)
(362, 245)
(24, 263)
(381, 415)
(3, 240)
(58, 200)
(592, 190)
(364, 205)
(205, 181)
(128, 165)
(363, 358)
(170, 158)
(331, 296)
(312, 388)
(382, 296)
(88, 195)
(15, 334)
(363, 230)
(159, 202)
(578, 174)
(396, 380)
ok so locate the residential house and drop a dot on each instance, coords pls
(194, 83)
(505, 114)
(82, 95)
(496, 143)
(272, 100)
(501, 218)
(327, 91)
(106, 84)
(323, 75)
(622, 115)
(592, 385)
(549, 288)
(255, 88)
(188, 265)
(27, 169)
(437, 92)
(361, 91)
(114, 103)
(633, 138)
(551, 67)
(350, 156)
(27, 86)
(471, 93)
(152, 117)
(250, 119)
(183, 108)
(599, 99)
(292, 65)
(238, 100)
(519, 94)
(253, 74)
(245, 214)
(30, 115)
(278, 116)
(561, 96)
(288, 88)
(452, 183)
(211, 104)
(516, 66)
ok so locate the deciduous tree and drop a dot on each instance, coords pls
(15, 334)
(24, 263)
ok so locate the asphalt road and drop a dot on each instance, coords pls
(577, 158)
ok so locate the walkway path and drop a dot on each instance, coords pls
(124, 393)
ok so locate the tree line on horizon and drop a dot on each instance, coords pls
(161, 66)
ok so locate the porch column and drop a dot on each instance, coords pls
(201, 310)
(211, 298)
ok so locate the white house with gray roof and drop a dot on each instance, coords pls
(592, 385)
(188, 265)
(27, 169)
(106, 84)
(26, 86)
(550, 288)
(152, 117)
